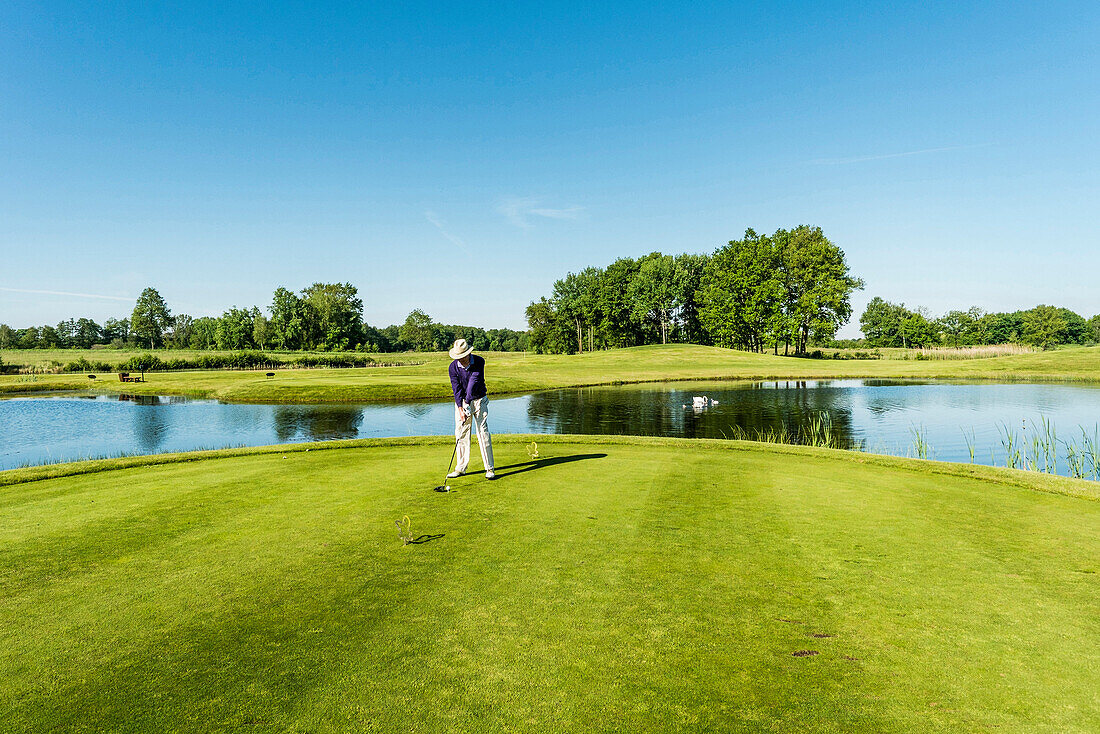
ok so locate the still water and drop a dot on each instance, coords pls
(882, 417)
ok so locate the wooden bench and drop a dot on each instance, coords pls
(125, 377)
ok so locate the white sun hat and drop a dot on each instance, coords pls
(460, 349)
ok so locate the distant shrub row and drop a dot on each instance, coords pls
(238, 361)
(818, 354)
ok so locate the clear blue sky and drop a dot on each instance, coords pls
(460, 158)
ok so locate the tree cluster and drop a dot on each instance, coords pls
(763, 291)
(322, 317)
(81, 333)
(886, 324)
(421, 334)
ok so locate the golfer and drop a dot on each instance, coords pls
(471, 406)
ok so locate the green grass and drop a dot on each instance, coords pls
(616, 585)
(518, 372)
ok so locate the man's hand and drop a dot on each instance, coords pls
(465, 415)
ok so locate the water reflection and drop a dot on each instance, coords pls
(150, 426)
(417, 411)
(143, 399)
(316, 423)
(753, 410)
(879, 415)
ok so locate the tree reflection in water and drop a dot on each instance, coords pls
(316, 422)
(878, 414)
(754, 408)
(150, 425)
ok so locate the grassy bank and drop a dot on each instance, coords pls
(511, 372)
(611, 585)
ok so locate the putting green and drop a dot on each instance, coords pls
(613, 584)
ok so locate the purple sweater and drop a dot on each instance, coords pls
(468, 383)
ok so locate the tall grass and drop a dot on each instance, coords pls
(984, 351)
(921, 449)
(1037, 449)
(971, 443)
(1090, 450)
(1033, 447)
(1043, 453)
(1011, 444)
(817, 431)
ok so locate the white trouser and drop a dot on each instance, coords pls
(479, 416)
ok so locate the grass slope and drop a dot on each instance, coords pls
(511, 372)
(613, 585)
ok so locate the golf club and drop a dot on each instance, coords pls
(446, 487)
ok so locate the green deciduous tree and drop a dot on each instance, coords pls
(234, 330)
(48, 338)
(880, 322)
(886, 324)
(568, 299)
(548, 331)
(261, 329)
(1002, 328)
(918, 329)
(65, 332)
(616, 326)
(576, 298)
(180, 336)
(653, 291)
(87, 333)
(954, 325)
(288, 320)
(817, 284)
(116, 329)
(1076, 330)
(689, 275)
(151, 318)
(333, 315)
(418, 331)
(1042, 326)
(742, 293)
(204, 333)
(28, 338)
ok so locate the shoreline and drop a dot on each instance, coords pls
(519, 373)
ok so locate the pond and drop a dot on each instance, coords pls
(878, 416)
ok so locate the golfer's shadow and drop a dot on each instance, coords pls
(525, 466)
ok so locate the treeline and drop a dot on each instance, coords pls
(322, 317)
(761, 292)
(886, 324)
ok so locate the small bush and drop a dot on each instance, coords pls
(143, 363)
(334, 360)
(78, 365)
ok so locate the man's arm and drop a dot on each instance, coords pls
(475, 375)
(458, 389)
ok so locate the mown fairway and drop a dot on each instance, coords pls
(612, 585)
(512, 372)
